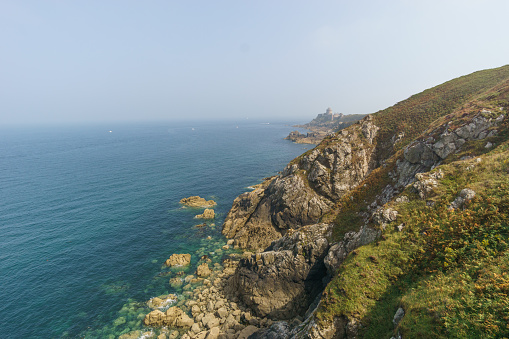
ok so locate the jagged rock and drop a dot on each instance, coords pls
(178, 260)
(384, 216)
(246, 332)
(174, 316)
(176, 282)
(304, 191)
(421, 155)
(196, 201)
(279, 329)
(465, 195)
(282, 281)
(209, 320)
(203, 270)
(213, 333)
(426, 182)
(400, 313)
(207, 214)
(161, 301)
(338, 252)
(402, 199)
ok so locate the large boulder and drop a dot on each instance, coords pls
(178, 260)
(282, 281)
(207, 214)
(173, 317)
(203, 270)
(196, 201)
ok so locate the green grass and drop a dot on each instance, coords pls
(448, 268)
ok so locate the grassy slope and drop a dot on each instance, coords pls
(448, 269)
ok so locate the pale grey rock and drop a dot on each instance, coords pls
(384, 216)
(352, 240)
(465, 195)
(426, 183)
(400, 313)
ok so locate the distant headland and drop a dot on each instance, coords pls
(322, 125)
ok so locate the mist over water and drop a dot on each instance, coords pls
(88, 216)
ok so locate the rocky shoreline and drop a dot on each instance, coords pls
(291, 246)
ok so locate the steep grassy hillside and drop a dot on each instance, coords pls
(445, 264)
(412, 116)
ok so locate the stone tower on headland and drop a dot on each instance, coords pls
(329, 112)
(328, 115)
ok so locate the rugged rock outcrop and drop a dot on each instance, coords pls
(197, 201)
(465, 195)
(283, 280)
(207, 214)
(203, 270)
(305, 190)
(426, 152)
(178, 260)
(161, 301)
(174, 317)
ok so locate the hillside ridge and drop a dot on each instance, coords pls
(341, 191)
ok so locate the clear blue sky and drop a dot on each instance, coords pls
(85, 61)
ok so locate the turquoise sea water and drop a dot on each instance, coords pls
(88, 216)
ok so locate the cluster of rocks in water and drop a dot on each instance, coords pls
(207, 311)
(199, 202)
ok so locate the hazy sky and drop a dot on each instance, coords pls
(77, 61)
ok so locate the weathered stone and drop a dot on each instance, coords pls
(174, 316)
(384, 216)
(400, 313)
(203, 270)
(178, 260)
(246, 332)
(213, 333)
(196, 201)
(465, 195)
(304, 191)
(352, 240)
(207, 214)
(282, 281)
(161, 301)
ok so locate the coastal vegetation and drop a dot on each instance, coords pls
(416, 197)
(445, 267)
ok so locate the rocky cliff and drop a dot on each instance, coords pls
(305, 190)
(330, 205)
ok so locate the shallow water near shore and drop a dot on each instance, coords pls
(88, 216)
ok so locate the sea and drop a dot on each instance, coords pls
(89, 213)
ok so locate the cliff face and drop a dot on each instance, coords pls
(305, 190)
(318, 219)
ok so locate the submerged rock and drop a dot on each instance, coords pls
(196, 201)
